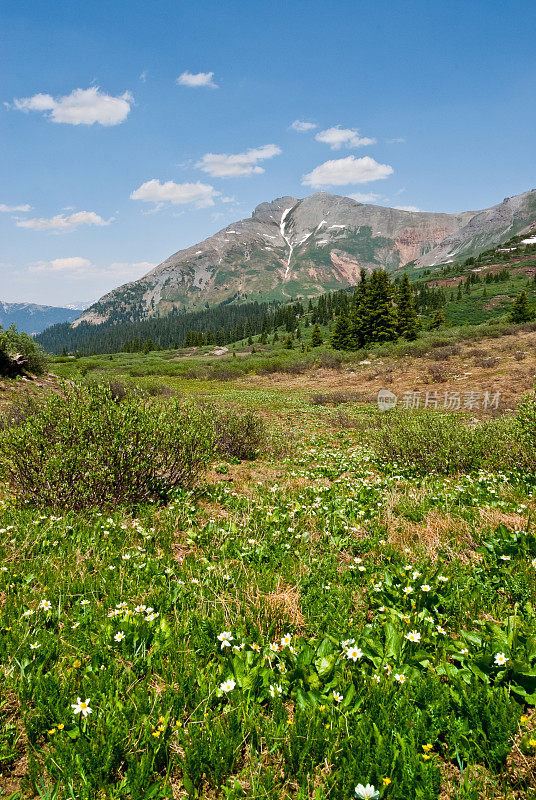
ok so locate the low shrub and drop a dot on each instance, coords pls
(431, 442)
(438, 372)
(238, 434)
(487, 362)
(19, 344)
(331, 360)
(84, 448)
(444, 352)
(426, 441)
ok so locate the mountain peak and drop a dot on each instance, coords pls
(293, 247)
(270, 211)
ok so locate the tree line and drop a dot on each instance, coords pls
(219, 325)
(378, 311)
(227, 323)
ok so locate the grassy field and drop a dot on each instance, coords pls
(497, 359)
(296, 626)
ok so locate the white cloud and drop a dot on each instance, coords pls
(64, 223)
(342, 171)
(364, 198)
(303, 127)
(128, 270)
(201, 194)
(407, 208)
(396, 140)
(73, 264)
(81, 107)
(77, 268)
(239, 165)
(338, 137)
(196, 79)
(143, 76)
(8, 209)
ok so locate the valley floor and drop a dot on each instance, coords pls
(301, 624)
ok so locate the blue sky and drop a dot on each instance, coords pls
(109, 163)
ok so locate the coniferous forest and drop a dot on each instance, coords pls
(377, 310)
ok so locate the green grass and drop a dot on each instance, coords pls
(362, 616)
(471, 306)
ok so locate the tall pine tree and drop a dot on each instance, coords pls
(341, 339)
(521, 311)
(380, 319)
(316, 337)
(408, 324)
(358, 313)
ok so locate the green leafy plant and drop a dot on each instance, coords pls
(81, 448)
(238, 433)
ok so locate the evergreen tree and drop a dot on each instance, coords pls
(288, 343)
(380, 317)
(521, 311)
(437, 320)
(359, 314)
(341, 338)
(408, 324)
(316, 337)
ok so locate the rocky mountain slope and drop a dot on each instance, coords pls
(34, 318)
(290, 248)
(486, 229)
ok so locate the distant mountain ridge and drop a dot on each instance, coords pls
(292, 248)
(33, 318)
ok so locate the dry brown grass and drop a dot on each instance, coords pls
(493, 517)
(284, 602)
(439, 535)
(411, 373)
(12, 773)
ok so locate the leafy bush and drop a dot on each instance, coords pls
(526, 418)
(13, 342)
(426, 441)
(238, 434)
(82, 448)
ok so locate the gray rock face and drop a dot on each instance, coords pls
(486, 229)
(290, 248)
